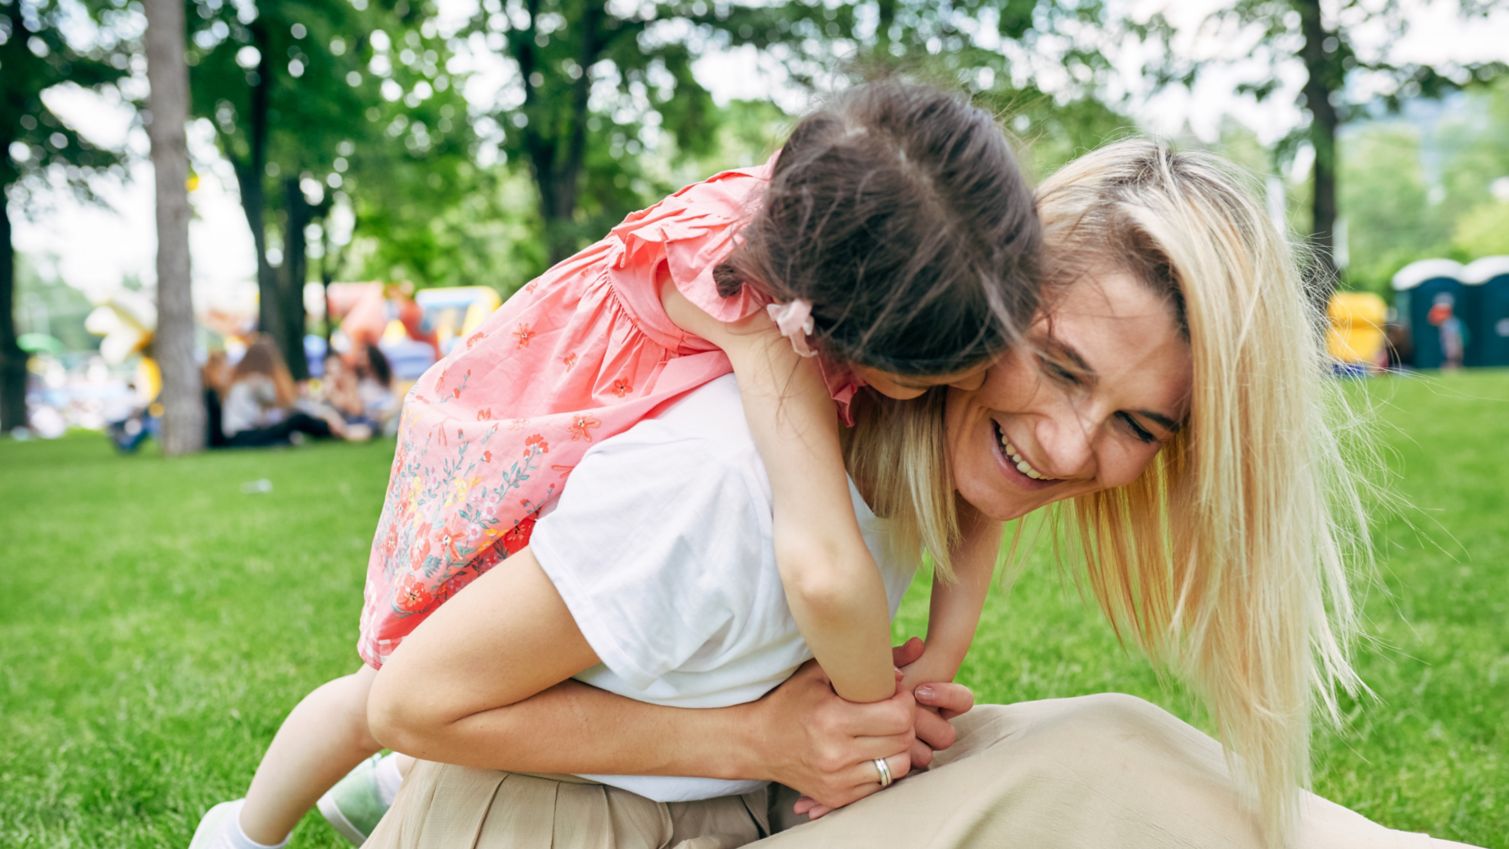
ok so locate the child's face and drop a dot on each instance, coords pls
(904, 387)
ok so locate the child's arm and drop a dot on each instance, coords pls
(832, 584)
(954, 610)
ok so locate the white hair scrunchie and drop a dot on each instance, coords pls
(794, 320)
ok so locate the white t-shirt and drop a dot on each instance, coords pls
(661, 548)
(247, 404)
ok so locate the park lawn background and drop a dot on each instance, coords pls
(158, 618)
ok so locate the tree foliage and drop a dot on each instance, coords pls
(591, 89)
(1043, 66)
(1387, 198)
(1323, 40)
(38, 149)
(1475, 172)
(306, 97)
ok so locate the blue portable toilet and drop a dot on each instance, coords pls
(1489, 277)
(1420, 286)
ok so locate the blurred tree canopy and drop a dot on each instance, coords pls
(314, 98)
(1322, 39)
(1385, 198)
(594, 88)
(37, 148)
(1418, 186)
(382, 139)
(1476, 173)
(47, 305)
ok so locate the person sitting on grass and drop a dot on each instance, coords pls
(1173, 393)
(258, 407)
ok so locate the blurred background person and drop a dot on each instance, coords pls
(257, 407)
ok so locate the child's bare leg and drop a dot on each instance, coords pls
(323, 738)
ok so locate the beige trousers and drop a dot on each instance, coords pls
(1095, 772)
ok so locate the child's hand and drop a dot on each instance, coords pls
(918, 668)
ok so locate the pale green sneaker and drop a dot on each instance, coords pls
(353, 806)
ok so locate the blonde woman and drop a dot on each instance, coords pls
(1171, 397)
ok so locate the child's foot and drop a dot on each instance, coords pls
(357, 802)
(220, 829)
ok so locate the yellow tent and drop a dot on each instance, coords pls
(1357, 320)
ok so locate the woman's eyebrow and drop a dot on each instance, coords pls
(1081, 368)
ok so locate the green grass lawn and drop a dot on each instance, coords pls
(158, 618)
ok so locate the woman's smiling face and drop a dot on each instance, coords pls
(1082, 404)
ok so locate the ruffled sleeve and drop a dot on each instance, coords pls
(691, 232)
(842, 383)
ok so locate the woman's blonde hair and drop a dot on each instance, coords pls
(1226, 559)
(897, 457)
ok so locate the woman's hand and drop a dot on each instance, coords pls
(935, 704)
(825, 747)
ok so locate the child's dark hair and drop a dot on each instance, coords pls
(899, 211)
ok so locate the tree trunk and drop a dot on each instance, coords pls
(12, 358)
(183, 420)
(295, 273)
(556, 166)
(569, 162)
(1324, 78)
(250, 175)
(327, 272)
(885, 20)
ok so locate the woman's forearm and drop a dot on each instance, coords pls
(575, 728)
(800, 734)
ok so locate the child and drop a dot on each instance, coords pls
(890, 243)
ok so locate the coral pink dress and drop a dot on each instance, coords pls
(581, 353)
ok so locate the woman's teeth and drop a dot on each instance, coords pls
(1021, 465)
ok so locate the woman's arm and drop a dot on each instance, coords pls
(508, 637)
(831, 582)
(483, 683)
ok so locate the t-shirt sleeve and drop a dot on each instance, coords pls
(692, 232)
(644, 547)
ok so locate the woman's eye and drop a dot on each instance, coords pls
(1142, 433)
(1058, 372)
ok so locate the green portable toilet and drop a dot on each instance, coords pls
(1418, 287)
(1489, 277)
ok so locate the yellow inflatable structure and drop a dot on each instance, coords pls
(1356, 333)
(127, 321)
(453, 313)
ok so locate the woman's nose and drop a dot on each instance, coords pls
(1067, 443)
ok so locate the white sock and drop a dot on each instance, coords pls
(237, 838)
(389, 779)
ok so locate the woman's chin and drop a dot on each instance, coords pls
(998, 489)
